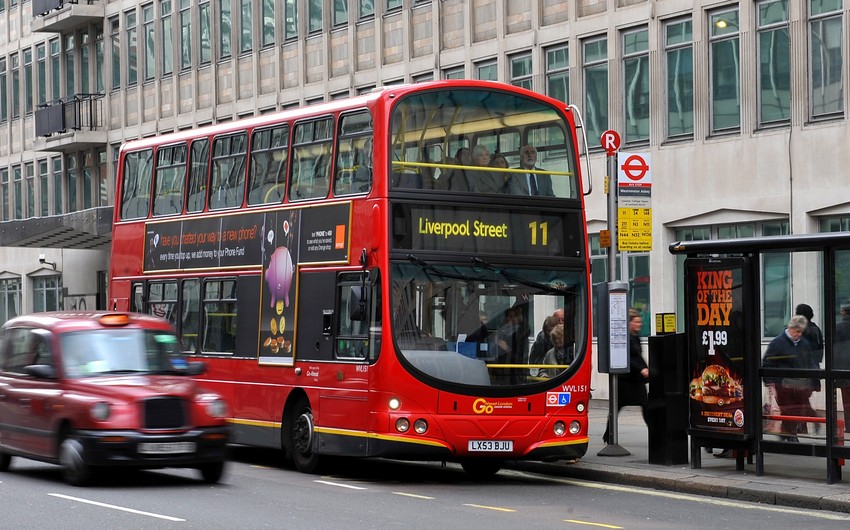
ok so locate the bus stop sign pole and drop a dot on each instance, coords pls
(610, 141)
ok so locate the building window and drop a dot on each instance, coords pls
(4, 94)
(394, 4)
(29, 181)
(367, 8)
(85, 69)
(595, 64)
(678, 48)
(14, 59)
(58, 196)
(10, 298)
(28, 82)
(4, 184)
(115, 39)
(457, 72)
(635, 266)
(104, 194)
(41, 72)
(205, 35)
(99, 60)
(290, 19)
(224, 29)
(43, 182)
(558, 73)
(185, 34)
(17, 177)
(421, 78)
(725, 58)
(340, 12)
(636, 85)
(46, 293)
(314, 16)
(246, 23)
(71, 166)
(132, 50)
(774, 51)
(521, 71)
(268, 22)
(487, 71)
(148, 36)
(825, 63)
(167, 37)
(70, 47)
(87, 179)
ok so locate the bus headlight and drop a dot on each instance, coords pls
(394, 403)
(575, 427)
(560, 428)
(420, 426)
(402, 425)
(100, 411)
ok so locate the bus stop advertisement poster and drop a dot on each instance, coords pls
(715, 333)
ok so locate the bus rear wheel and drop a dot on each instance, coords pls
(482, 468)
(301, 437)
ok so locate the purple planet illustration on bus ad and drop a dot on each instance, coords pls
(279, 275)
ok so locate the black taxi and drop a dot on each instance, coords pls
(96, 390)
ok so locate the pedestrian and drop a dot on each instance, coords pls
(791, 350)
(813, 333)
(631, 387)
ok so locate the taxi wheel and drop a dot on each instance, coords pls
(5, 460)
(301, 435)
(482, 468)
(74, 469)
(212, 471)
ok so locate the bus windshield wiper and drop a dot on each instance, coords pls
(519, 279)
(433, 269)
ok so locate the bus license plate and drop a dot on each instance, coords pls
(166, 448)
(492, 446)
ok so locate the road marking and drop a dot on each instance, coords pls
(496, 508)
(576, 521)
(349, 486)
(413, 495)
(114, 507)
(693, 498)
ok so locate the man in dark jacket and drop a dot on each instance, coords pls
(790, 350)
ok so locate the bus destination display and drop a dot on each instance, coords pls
(459, 229)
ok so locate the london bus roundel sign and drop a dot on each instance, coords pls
(610, 141)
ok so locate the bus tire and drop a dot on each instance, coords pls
(482, 468)
(301, 436)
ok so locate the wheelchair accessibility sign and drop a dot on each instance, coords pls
(557, 399)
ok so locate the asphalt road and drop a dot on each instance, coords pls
(259, 492)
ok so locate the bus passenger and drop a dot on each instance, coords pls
(456, 178)
(483, 181)
(529, 183)
(363, 168)
(558, 355)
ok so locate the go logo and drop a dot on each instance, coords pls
(480, 406)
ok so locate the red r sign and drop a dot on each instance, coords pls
(610, 141)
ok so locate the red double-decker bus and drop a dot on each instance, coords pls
(366, 277)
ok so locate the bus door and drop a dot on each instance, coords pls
(335, 316)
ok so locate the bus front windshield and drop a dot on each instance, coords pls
(480, 140)
(480, 325)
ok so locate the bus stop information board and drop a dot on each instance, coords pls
(715, 295)
(634, 202)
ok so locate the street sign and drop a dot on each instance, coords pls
(633, 169)
(610, 141)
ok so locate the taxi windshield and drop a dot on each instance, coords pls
(120, 351)
(478, 325)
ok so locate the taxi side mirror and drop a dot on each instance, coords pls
(40, 371)
(196, 368)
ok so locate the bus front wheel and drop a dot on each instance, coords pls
(301, 437)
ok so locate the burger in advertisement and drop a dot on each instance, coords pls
(716, 386)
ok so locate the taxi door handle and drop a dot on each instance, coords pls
(24, 402)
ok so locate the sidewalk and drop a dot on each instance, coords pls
(788, 480)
